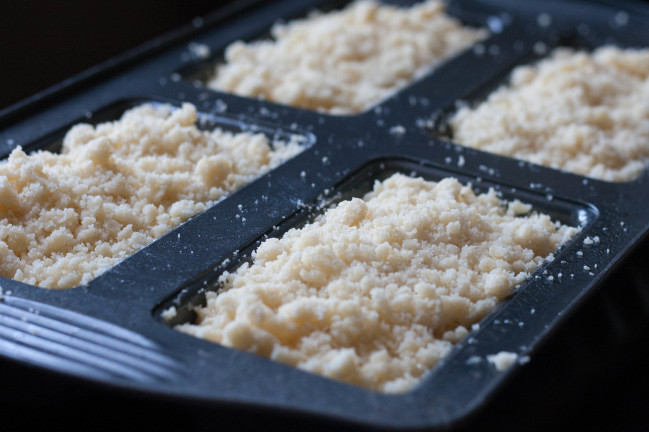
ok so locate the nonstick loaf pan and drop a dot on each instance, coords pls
(113, 332)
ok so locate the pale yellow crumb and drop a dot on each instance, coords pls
(377, 290)
(581, 112)
(65, 218)
(169, 313)
(344, 61)
(503, 360)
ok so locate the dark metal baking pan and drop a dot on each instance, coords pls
(108, 334)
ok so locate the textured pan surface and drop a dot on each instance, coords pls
(109, 331)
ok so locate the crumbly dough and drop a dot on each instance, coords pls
(575, 111)
(65, 218)
(377, 290)
(503, 360)
(344, 61)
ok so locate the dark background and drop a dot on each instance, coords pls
(594, 375)
(44, 42)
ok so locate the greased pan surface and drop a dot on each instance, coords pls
(68, 331)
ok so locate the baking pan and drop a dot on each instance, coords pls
(110, 333)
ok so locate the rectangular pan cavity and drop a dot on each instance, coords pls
(538, 51)
(181, 309)
(125, 183)
(202, 71)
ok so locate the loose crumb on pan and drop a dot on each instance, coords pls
(581, 112)
(115, 187)
(345, 61)
(169, 313)
(377, 290)
(503, 360)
